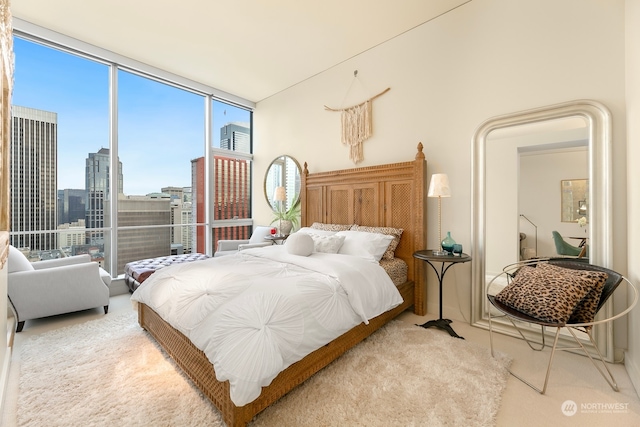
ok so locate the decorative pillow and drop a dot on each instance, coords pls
(330, 227)
(395, 232)
(548, 292)
(365, 245)
(316, 231)
(326, 244)
(299, 244)
(585, 311)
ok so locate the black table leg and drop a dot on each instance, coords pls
(442, 324)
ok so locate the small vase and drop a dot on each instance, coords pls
(448, 242)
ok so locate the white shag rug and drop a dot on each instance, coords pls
(110, 372)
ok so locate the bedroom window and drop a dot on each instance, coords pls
(111, 157)
(231, 152)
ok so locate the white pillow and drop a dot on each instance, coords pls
(309, 230)
(299, 244)
(364, 244)
(327, 244)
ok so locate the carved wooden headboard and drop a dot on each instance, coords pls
(391, 195)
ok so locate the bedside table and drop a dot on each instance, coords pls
(276, 239)
(447, 261)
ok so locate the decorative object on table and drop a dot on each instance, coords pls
(457, 249)
(582, 222)
(439, 187)
(448, 243)
(357, 124)
(287, 218)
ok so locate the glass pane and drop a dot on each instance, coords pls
(60, 118)
(160, 145)
(231, 128)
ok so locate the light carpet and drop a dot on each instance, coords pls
(110, 372)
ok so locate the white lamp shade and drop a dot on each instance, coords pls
(280, 194)
(439, 186)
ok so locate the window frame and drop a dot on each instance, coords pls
(116, 62)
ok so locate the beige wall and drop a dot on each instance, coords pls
(632, 357)
(483, 59)
(447, 76)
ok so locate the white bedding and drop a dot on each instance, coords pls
(258, 311)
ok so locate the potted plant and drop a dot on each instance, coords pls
(287, 219)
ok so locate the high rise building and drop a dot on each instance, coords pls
(197, 205)
(136, 242)
(231, 196)
(71, 205)
(97, 186)
(33, 160)
(235, 136)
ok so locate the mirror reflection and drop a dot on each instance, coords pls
(515, 188)
(283, 174)
(575, 198)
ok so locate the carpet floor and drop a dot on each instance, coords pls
(109, 371)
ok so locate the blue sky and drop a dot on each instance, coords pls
(160, 128)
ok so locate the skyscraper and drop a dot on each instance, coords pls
(235, 136)
(97, 185)
(71, 205)
(33, 158)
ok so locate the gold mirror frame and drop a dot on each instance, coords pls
(598, 120)
(283, 171)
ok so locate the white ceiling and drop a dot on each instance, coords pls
(249, 48)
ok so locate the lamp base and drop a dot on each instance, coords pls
(439, 252)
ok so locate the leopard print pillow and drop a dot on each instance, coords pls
(331, 227)
(551, 293)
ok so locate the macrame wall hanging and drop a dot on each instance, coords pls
(357, 124)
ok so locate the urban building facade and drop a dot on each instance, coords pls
(33, 169)
(98, 192)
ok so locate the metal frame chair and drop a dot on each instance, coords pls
(614, 279)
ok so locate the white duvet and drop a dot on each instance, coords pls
(258, 311)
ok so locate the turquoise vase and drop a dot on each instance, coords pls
(448, 242)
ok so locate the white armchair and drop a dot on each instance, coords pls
(227, 247)
(56, 286)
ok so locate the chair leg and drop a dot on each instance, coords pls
(610, 380)
(106, 309)
(19, 326)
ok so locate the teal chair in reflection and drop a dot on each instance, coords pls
(567, 249)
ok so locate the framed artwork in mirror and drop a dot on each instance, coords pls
(574, 199)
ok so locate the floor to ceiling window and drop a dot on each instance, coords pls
(231, 191)
(60, 121)
(161, 134)
(140, 179)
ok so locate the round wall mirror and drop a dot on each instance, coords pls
(283, 173)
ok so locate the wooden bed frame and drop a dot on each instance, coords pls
(389, 195)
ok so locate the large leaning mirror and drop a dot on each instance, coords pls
(519, 162)
(283, 172)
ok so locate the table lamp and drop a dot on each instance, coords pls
(439, 187)
(280, 195)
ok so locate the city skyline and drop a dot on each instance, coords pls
(160, 127)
